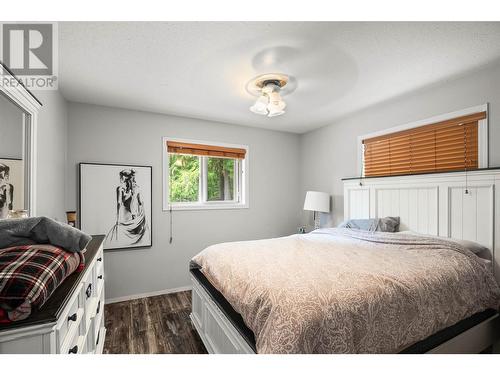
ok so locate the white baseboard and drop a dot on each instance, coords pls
(148, 294)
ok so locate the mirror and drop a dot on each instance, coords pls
(13, 197)
(18, 134)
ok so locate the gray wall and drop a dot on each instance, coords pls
(279, 174)
(11, 130)
(330, 153)
(103, 134)
(51, 157)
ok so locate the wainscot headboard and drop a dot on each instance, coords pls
(433, 204)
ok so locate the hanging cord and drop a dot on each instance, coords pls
(170, 205)
(465, 159)
(171, 226)
(411, 153)
(362, 165)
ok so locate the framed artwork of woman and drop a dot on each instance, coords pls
(11, 186)
(115, 200)
(6, 191)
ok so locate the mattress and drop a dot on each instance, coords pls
(420, 347)
(347, 291)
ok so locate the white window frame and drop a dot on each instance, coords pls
(241, 189)
(482, 133)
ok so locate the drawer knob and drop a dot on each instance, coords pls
(99, 259)
(88, 292)
(72, 317)
(73, 350)
(98, 307)
(99, 277)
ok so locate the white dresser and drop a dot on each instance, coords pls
(72, 319)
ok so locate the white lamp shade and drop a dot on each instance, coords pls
(269, 103)
(275, 112)
(260, 106)
(317, 201)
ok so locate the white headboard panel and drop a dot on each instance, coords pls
(357, 203)
(417, 207)
(433, 204)
(471, 216)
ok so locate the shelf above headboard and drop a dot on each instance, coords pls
(490, 169)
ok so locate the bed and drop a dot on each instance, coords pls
(344, 291)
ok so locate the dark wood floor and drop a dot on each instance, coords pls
(157, 324)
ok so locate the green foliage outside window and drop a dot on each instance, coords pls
(220, 175)
(185, 175)
(184, 178)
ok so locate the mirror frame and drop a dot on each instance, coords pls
(30, 105)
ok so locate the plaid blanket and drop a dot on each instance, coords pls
(30, 274)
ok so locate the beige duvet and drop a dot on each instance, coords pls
(348, 291)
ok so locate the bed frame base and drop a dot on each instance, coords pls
(216, 331)
(475, 340)
(221, 337)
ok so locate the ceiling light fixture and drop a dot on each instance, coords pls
(268, 87)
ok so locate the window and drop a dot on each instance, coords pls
(448, 145)
(204, 175)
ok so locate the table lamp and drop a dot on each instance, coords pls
(317, 202)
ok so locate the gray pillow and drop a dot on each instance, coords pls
(389, 224)
(478, 249)
(385, 224)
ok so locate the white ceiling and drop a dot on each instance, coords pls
(200, 69)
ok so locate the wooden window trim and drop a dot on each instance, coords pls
(205, 150)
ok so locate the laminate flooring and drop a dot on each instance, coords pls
(158, 324)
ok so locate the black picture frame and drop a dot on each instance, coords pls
(149, 216)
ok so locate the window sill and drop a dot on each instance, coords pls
(208, 206)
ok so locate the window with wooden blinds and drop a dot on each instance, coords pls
(449, 145)
(204, 175)
(205, 150)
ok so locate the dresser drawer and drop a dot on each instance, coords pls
(98, 319)
(70, 320)
(100, 341)
(99, 259)
(99, 280)
(85, 345)
(88, 289)
(79, 345)
(98, 337)
(90, 343)
(99, 272)
(74, 345)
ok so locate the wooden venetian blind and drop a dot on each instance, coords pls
(444, 146)
(205, 150)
